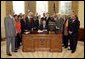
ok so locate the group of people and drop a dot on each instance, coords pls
(16, 25)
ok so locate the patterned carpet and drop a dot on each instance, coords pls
(44, 54)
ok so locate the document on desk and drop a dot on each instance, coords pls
(27, 32)
(57, 27)
(44, 30)
(40, 31)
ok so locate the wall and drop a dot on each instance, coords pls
(3, 14)
(9, 7)
(81, 13)
(75, 6)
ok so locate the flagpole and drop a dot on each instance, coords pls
(54, 7)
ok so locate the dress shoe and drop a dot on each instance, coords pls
(72, 51)
(65, 47)
(15, 51)
(9, 54)
(69, 49)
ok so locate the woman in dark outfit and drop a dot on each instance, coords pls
(73, 27)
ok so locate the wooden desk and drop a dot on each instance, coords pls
(42, 42)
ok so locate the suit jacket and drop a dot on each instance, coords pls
(41, 26)
(43, 18)
(10, 30)
(35, 23)
(29, 23)
(73, 26)
(47, 20)
(59, 23)
(23, 26)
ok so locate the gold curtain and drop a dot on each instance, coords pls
(75, 7)
(9, 7)
(31, 5)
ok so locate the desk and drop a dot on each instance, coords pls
(42, 42)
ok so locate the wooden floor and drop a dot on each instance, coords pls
(44, 54)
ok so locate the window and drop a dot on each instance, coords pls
(41, 7)
(18, 7)
(65, 7)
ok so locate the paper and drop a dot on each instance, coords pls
(40, 31)
(27, 32)
(45, 30)
(57, 27)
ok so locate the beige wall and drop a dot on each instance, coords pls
(9, 7)
(3, 14)
(75, 6)
(81, 13)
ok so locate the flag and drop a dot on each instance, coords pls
(54, 7)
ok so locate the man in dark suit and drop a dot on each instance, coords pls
(44, 16)
(73, 27)
(29, 21)
(59, 21)
(51, 23)
(23, 24)
(43, 24)
(48, 18)
(35, 23)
